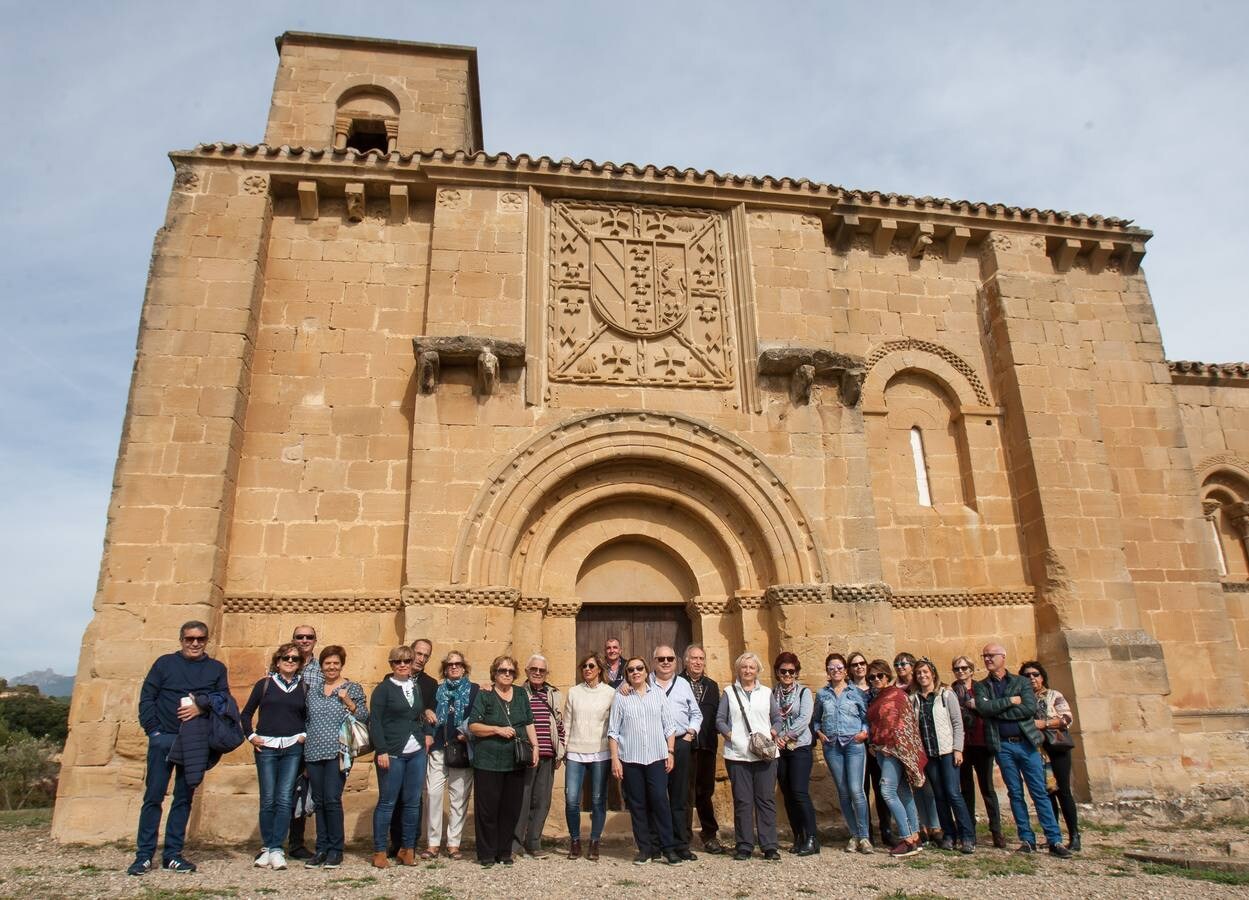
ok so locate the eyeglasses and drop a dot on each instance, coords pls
(305, 637)
(589, 665)
(455, 664)
(534, 670)
(878, 676)
(786, 671)
(290, 658)
(633, 670)
(401, 662)
(991, 655)
(665, 659)
(962, 668)
(194, 639)
(903, 665)
(505, 671)
(836, 667)
(1031, 674)
(861, 662)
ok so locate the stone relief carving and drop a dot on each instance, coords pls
(460, 596)
(786, 594)
(870, 592)
(639, 296)
(511, 201)
(451, 199)
(309, 604)
(185, 179)
(255, 184)
(960, 365)
(958, 599)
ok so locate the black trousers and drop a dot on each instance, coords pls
(496, 810)
(646, 795)
(703, 777)
(871, 782)
(793, 774)
(1060, 762)
(978, 763)
(679, 793)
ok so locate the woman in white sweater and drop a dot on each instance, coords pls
(941, 729)
(586, 712)
(746, 707)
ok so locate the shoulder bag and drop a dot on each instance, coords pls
(760, 743)
(521, 748)
(455, 753)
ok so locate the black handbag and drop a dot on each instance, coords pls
(455, 753)
(521, 748)
(1058, 739)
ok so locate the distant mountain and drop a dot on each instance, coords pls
(49, 683)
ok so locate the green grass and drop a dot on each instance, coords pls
(90, 869)
(1197, 874)
(435, 865)
(154, 893)
(923, 862)
(354, 882)
(25, 818)
(990, 866)
(436, 892)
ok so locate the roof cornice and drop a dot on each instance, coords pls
(1233, 374)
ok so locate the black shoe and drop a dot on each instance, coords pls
(772, 855)
(967, 847)
(333, 860)
(316, 862)
(687, 855)
(656, 856)
(299, 852)
(947, 843)
(799, 840)
(1025, 847)
(1074, 844)
(642, 859)
(712, 845)
(672, 858)
(183, 866)
(1060, 851)
(485, 863)
(809, 848)
(510, 861)
(740, 855)
(140, 867)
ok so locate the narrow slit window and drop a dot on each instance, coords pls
(921, 468)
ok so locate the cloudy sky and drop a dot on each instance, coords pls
(1132, 109)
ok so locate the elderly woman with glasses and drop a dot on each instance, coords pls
(1053, 712)
(501, 717)
(450, 773)
(977, 767)
(793, 767)
(748, 707)
(401, 739)
(586, 714)
(842, 730)
(281, 698)
(895, 740)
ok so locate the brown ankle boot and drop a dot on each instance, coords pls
(574, 849)
(407, 857)
(593, 854)
(380, 861)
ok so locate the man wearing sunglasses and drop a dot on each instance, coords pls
(1007, 703)
(688, 721)
(305, 638)
(176, 690)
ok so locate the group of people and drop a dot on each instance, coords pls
(898, 732)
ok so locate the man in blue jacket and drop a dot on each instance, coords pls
(175, 691)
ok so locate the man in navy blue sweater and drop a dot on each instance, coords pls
(175, 691)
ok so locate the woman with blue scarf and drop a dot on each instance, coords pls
(450, 770)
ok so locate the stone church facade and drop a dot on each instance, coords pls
(395, 387)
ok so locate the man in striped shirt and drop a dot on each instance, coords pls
(547, 704)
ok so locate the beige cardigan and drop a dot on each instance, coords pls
(586, 712)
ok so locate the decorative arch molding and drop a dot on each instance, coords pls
(354, 83)
(607, 445)
(1229, 462)
(947, 367)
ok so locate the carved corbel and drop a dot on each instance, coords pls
(487, 370)
(428, 368)
(355, 201)
(1239, 514)
(308, 202)
(1131, 253)
(956, 243)
(486, 355)
(398, 203)
(845, 233)
(1064, 253)
(1099, 255)
(921, 239)
(806, 365)
(882, 237)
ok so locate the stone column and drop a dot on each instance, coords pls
(1240, 518)
(755, 624)
(559, 642)
(174, 487)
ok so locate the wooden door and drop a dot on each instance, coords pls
(640, 628)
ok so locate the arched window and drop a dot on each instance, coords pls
(1225, 502)
(367, 118)
(921, 467)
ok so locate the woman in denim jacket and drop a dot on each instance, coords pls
(842, 730)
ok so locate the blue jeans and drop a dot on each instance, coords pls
(276, 770)
(156, 782)
(846, 764)
(897, 793)
(327, 783)
(403, 782)
(1021, 764)
(574, 778)
(955, 820)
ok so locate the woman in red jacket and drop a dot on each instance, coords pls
(895, 741)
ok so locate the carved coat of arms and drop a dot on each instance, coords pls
(638, 296)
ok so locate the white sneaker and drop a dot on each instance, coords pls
(853, 845)
(277, 859)
(262, 860)
(865, 846)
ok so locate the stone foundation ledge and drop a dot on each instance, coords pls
(1205, 805)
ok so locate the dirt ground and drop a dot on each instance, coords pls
(33, 866)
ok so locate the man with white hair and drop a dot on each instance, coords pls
(547, 705)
